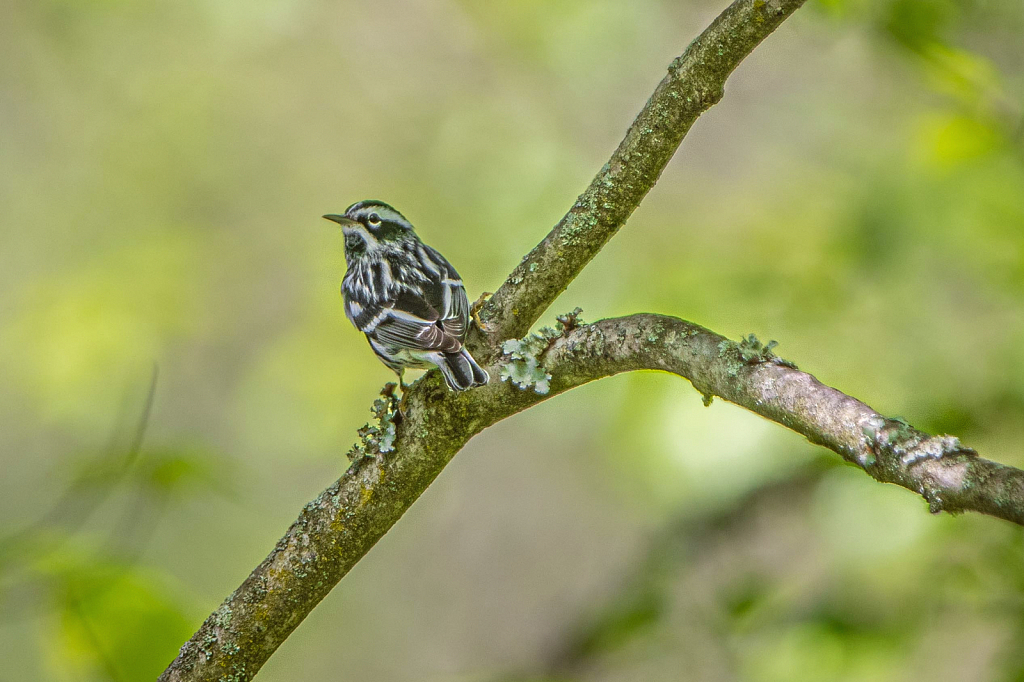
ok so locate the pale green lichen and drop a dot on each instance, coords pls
(899, 447)
(753, 351)
(525, 372)
(524, 367)
(378, 437)
(749, 351)
(912, 446)
(223, 616)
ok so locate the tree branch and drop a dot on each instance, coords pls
(948, 475)
(336, 529)
(694, 83)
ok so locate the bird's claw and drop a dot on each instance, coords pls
(474, 310)
(394, 404)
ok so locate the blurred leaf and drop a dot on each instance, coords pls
(122, 621)
(844, 9)
(118, 621)
(744, 601)
(946, 140)
(917, 24)
(967, 77)
(184, 471)
(813, 651)
(623, 621)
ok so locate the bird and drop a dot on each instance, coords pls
(405, 296)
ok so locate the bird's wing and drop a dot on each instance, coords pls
(408, 321)
(446, 293)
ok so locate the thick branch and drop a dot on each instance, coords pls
(948, 475)
(336, 529)
(695, 82)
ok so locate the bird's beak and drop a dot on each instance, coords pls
(341, 220)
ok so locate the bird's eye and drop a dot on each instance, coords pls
(373, 219)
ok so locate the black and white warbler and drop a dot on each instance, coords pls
(404, 295)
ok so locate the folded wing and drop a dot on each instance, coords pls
(446, 293)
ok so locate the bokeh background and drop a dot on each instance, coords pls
(858, 196)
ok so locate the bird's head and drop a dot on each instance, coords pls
(371, 228)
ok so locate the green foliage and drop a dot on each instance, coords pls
(620, 624)
(122, 622)
(918, 24)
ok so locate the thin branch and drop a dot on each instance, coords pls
(950, 476)
(95, 482)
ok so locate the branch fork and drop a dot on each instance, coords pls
(334, 531)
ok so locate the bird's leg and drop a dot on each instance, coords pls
(388, 393)
(400, 404)
(474, 310)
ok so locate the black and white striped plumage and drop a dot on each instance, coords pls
(404, 295)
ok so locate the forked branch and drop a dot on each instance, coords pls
(335, 530)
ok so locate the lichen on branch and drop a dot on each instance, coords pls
(378, 437)
(523, 358)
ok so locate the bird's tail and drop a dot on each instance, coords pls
(461, 371)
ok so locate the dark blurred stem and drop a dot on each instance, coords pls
(93, 485)
(72, 509)
(638, 604)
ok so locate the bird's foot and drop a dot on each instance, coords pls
(474, 310)
(401, 409)
(394, 403)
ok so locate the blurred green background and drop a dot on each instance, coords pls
(858, 195)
